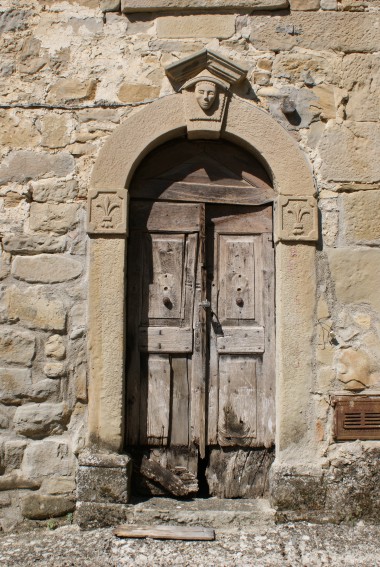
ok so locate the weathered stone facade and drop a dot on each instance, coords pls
(72, 73)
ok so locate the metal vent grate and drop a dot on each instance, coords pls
(357, 417)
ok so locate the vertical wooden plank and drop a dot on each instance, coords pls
(179, 417)
(187, 311)
(237, 400)
(134, 291)
(159, 376)
(267, 415)
(198, 375)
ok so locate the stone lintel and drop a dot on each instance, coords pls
(128, 6)
(107, 211)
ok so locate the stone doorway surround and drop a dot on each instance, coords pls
(296, 232)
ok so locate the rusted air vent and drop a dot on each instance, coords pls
(357, 417)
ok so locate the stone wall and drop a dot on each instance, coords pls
(71, 72)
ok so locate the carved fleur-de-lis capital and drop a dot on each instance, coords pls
(107, 211)
(297, 219)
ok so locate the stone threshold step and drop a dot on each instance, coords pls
(210, 512)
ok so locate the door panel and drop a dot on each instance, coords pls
(240, 273)
(200, 353)
(237, 422)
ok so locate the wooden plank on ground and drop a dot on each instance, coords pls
(166, 532)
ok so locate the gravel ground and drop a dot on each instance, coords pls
(275, 545)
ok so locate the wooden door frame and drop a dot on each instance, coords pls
(254, 130)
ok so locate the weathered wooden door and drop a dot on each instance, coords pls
(200, 362)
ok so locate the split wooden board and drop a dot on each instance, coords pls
(166, 532)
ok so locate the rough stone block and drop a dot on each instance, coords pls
(349, 152)
(347, 32)
(304, 5)
(329, 4)
(296, 489)
(180, 5)
(58, 485)
(55, 130)
(14, 385)
(16, 346)
(91, 515)
(41, 507)
(35, 309)
(135, 93)
(15, 481)
(361, 216)
(110, 5)
(196, 26)
(44, 390)
(48, 458)
(53, 190)
(103, 484)
(21, 244)
(356, 275)
(40, 420)
(66, 90)
(58, 218)
(361, 77)
(14, 452)
(24, 165)
(46, 268)
(55, 347)
(303, 67)
(54, 369)
(16, 134)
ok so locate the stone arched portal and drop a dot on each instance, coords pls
(248, 126)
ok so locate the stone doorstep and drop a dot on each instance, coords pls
(210, 512)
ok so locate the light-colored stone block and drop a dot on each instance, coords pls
(25, 244)
(16, 346)
(46, 268)
(40, 506)
(55, 347)
(347, 32)
(23, 165)
(304, 5)
(136, 93)
(14, 385)
(48, 458)
(208, 25)
(329, 4)
(40, 420)
(361, 216)
(349, 152)
(66, 90)
(180, 5)
(55, 130)
(35, 309)
(54, 369)
(50, 217)
(356, 275)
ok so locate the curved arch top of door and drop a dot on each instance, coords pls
(200, 311)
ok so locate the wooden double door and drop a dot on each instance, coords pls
(200, 352)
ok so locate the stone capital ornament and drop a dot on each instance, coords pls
(297, 219)
(107, 211)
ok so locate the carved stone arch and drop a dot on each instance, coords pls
(255, 130)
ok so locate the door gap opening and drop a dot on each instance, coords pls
(204, 490)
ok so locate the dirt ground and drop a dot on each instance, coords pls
(258, 545)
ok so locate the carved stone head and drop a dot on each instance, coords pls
(205, 94)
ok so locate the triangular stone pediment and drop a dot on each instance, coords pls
(205, 60)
